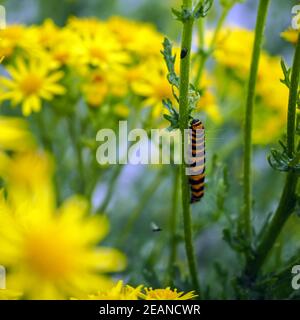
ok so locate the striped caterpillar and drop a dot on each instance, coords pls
(197, 168)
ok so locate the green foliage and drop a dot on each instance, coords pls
(173, 117)
(182, 15)
(174, 80)
(279, 160)
(287, 74)
(169, 58)
(202, 8)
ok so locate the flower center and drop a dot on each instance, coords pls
(97, 53)
(31, 84)
(48, 254)
(162, 294)
(163, 90)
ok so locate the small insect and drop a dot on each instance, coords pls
(183, 53)
(155, 227)
(197, 176)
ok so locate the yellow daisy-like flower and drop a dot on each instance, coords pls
(51, 253)
(154, 87)
(14, 134)
(233, 49)
(166, 294)
(118, 292)
(7, 294)
(30, 83)
(135, 37)
(106, 55)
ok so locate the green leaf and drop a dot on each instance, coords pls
(202, 8)
(286, 73)
(280, 161)
(173, 117)
(183, 15)
(169, 58)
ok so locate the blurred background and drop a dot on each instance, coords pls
(145, 247)
(154, 11)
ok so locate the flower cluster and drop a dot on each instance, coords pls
(106, 63)
(234, 54)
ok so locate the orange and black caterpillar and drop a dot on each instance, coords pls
(197, 168)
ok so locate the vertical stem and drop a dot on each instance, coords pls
(173, 228)
(186, 43)
(112, 184)
(293, 96)
(78, 153)
(143, 202)
(48, 145)
(247, 177)
(288, 198)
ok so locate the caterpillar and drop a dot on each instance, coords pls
(197, 168)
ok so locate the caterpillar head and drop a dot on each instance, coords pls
(196, 124)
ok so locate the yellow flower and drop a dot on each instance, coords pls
(207, 101)
(154, 87)
(14, 134)
(166, 294)
(233, 49)
(290, 35)
(93, 50)
(7, 294)
(51, 253)
(14, 36)
(136, 37)
(31, 83)
(118, 292)
(121, 110)
(95, 88)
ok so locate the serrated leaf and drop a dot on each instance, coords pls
(202, 8)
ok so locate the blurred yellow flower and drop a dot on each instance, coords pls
(118, 292)
(15, 134)
(13, 37)
(166, 294)
(154, 87)
(233, 49)
(290, 35)
(96, 88)
(93, 50)
(30, 83)
(7, 294)
(136, 37)
(51, 253)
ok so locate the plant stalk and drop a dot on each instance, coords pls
(173, 229)
(288, 199)
(247, 167)
(186, 43)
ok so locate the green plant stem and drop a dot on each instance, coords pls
(293, 96)
(247, 177)
(143, 201)
(183, 124)
(287, 201)
(173, 229)
(205, 55)
(110, 190)
(78, 153)
(48, 145)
